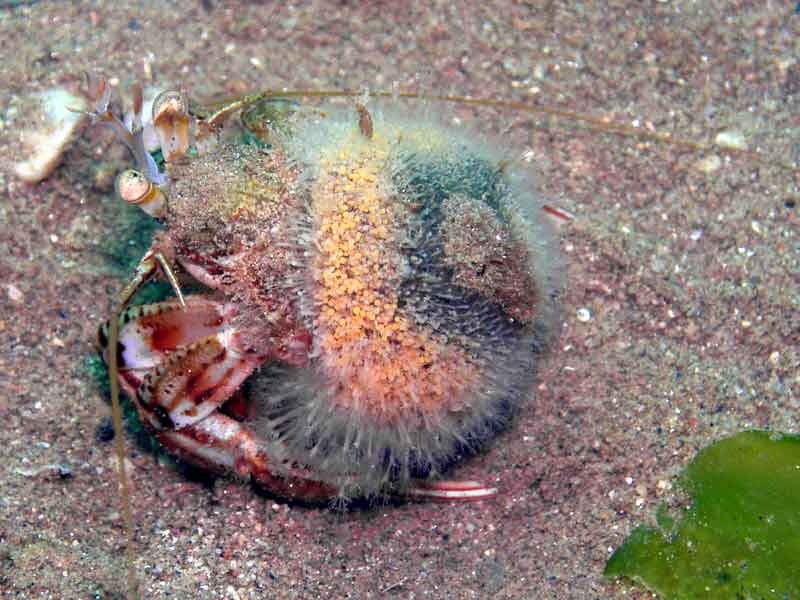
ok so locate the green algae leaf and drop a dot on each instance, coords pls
(741, 537)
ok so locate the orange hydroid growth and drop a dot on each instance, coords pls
(384, 363)
(427, 276)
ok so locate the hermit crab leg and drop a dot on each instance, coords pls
(146, 270)
(178, 362)
(222, 444)
(149, 333)
(447, 491)
(108, 336)
(181, 365)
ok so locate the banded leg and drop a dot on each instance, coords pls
(222, 444)
(450, 490)
(181, 365)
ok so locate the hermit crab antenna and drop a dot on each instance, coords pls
(116, 412)
(132, 138)
(147, 269)
(215, 119)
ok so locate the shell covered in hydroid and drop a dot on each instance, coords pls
(417, 258)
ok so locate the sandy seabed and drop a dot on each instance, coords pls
(681, 311)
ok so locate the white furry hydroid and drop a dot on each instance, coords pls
(426, 273)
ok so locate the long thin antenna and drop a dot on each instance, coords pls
(595, 123)
(116, 412)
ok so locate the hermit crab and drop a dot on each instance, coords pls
(374, 291)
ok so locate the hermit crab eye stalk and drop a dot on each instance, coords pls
(134, 188)
(171, 121)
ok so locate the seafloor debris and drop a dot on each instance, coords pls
(56, 119)
(63, 471)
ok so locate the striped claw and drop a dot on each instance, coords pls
(181, 365)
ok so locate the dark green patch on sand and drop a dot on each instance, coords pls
(740, 538)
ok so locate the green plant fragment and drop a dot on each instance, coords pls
(741, 537)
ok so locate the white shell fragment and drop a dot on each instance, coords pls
(54, 127)
(731, 139)
(709, 164)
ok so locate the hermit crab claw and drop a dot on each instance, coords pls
(171, 121)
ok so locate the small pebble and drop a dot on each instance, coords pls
(104, 431)
(584, 315)
(709, 164)
(731, 139)
(14, 294)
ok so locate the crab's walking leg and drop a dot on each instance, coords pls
(180, 365)
(181, 408)
(177, 361)
(223, 444)
(447, 490)
(152, 332)
(146, 270)
(179, 401)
